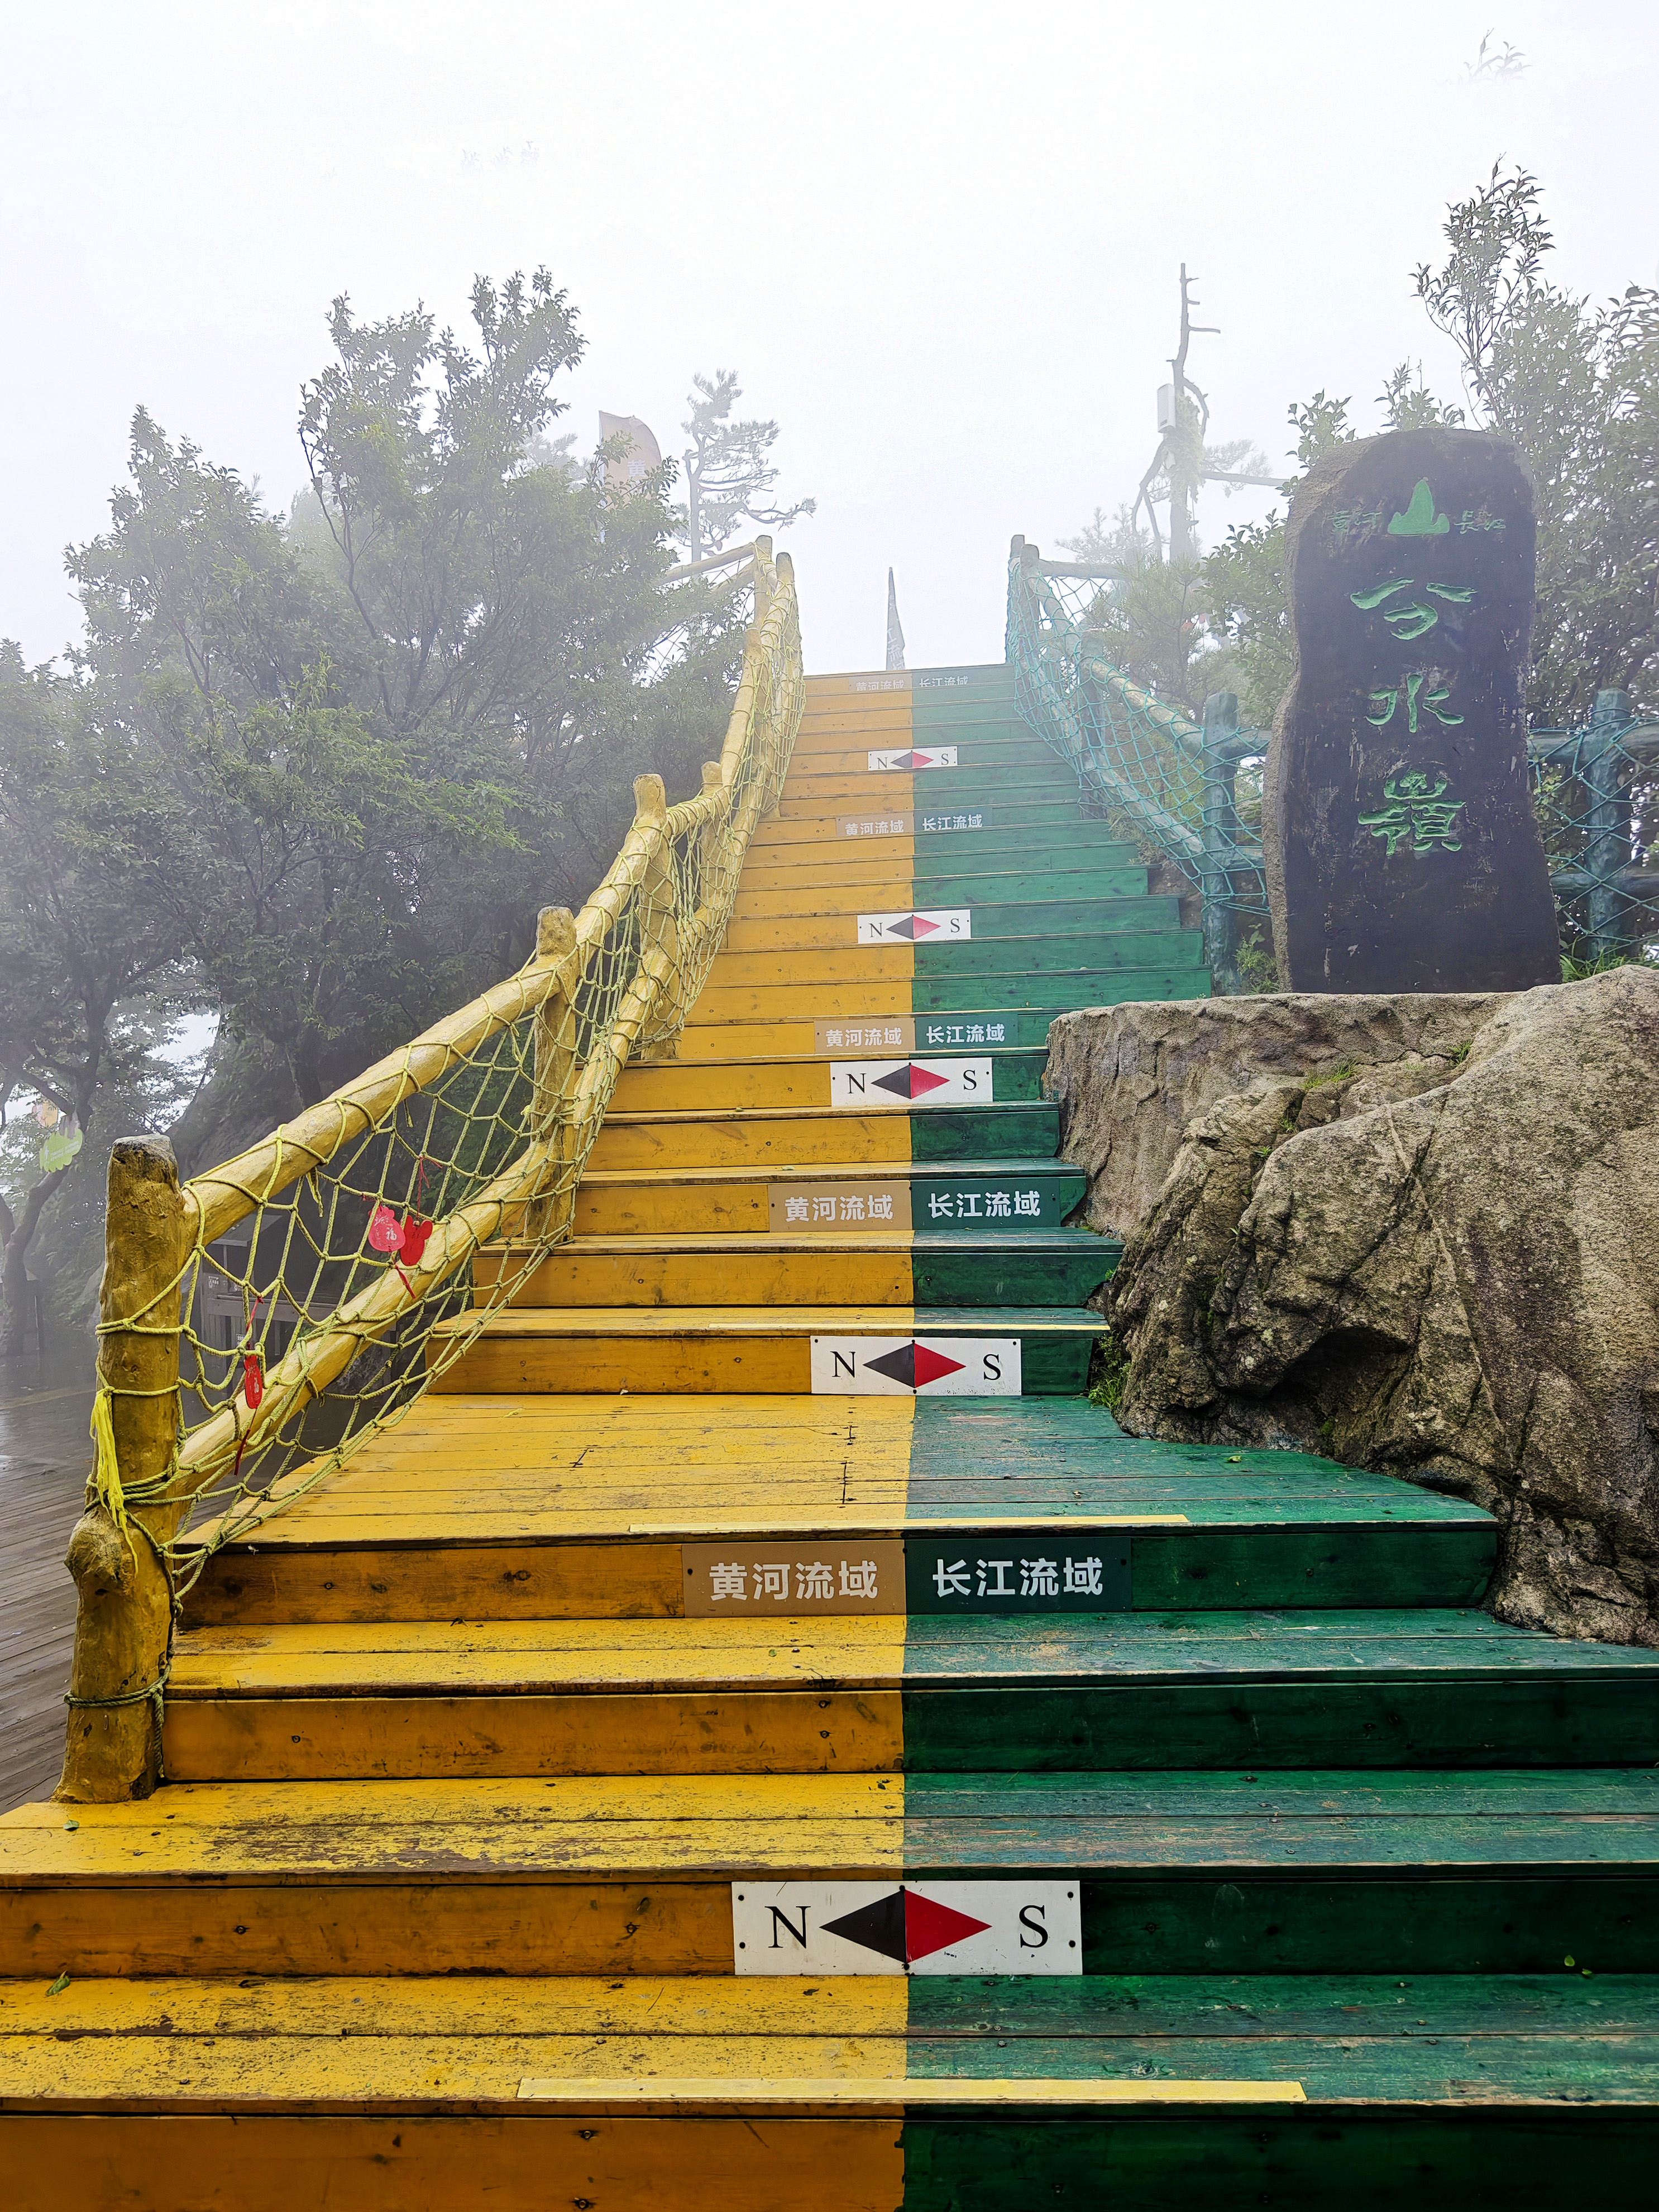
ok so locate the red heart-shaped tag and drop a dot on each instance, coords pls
(385, 1231)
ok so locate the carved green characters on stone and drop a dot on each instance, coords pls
(1426, 817)
(1401, 847)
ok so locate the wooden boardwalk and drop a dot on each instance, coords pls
(44, 1457)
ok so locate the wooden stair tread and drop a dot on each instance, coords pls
(425, 2045)
(462, 1658)
(1413, 1824)
(791, 1322)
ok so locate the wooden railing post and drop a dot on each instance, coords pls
(123, 1632)
(555, 1055)
(660, 929)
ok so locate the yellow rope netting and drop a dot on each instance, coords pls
(335, 1269)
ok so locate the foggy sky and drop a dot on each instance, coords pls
(939, 242)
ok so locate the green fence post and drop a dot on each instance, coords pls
(1606, 823)
(1220, 837)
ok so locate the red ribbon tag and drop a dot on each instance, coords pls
(415, 1233)
(254, 1378)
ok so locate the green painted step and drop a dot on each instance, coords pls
(1089, 986)
(1071, 920)
(1381, 1688)
(1501, 1871)
(1099, 887)
(1520, 2157)
(1022, 1026)
(1033, 954)
(1017, 1132)
(1072, 838)
(1029, 1268)
(1055, 1342)
(1262, 1529)
(1424, 2092)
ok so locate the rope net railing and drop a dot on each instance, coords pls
(1191, 792)
(263, 1320)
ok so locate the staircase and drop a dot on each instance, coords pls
(556, 1798)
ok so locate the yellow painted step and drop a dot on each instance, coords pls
(623, 1875)
(849, 1000)
(698, 1201)
(761, 1270)
(835, 930)
(418, 1700)
(842, 879)
(848, 963)
(787, 1137)
(723, 1086)
(833, 866)
(751, 1040)
(841, 899)
(786, 842)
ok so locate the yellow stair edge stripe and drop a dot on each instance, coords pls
(837, 2096)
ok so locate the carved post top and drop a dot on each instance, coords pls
(555, 933)
(650, 797)
(711, 774)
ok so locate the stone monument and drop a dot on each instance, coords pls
(1402, 852)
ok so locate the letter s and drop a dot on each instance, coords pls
(1026, 1921)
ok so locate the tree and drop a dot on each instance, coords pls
(1577, 388)
(348, 752)
(728, 468)
(78, 944)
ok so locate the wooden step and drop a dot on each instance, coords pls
(992, 1029)
(743, 1086)
(564, 1507)
(1491, 1872)
(731, 1201)
(727, 1348)
(1007, 1692)
(800, 1136)
(1083, 922)
(1005, 991)
(404, 2094)
(831, 891)
(876, 1268)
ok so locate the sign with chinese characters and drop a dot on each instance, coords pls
(886, 824)
(1401, 849)
(811, 1574)
(899, 681)
(1008, 1572)
(865, 1033)
(948, 925)
(1018, 1926)
(910, 759)
(917, 1367)
(971, 1205)
(826, 1208)
(863, 1086)
(943, 822)
(935, 1029)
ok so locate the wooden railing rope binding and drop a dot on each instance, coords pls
(260, 1321)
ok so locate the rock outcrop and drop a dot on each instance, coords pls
(1129, 1079)
(1441, 1267)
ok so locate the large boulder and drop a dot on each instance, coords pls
(1443, 1271)
(1128, 1079)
